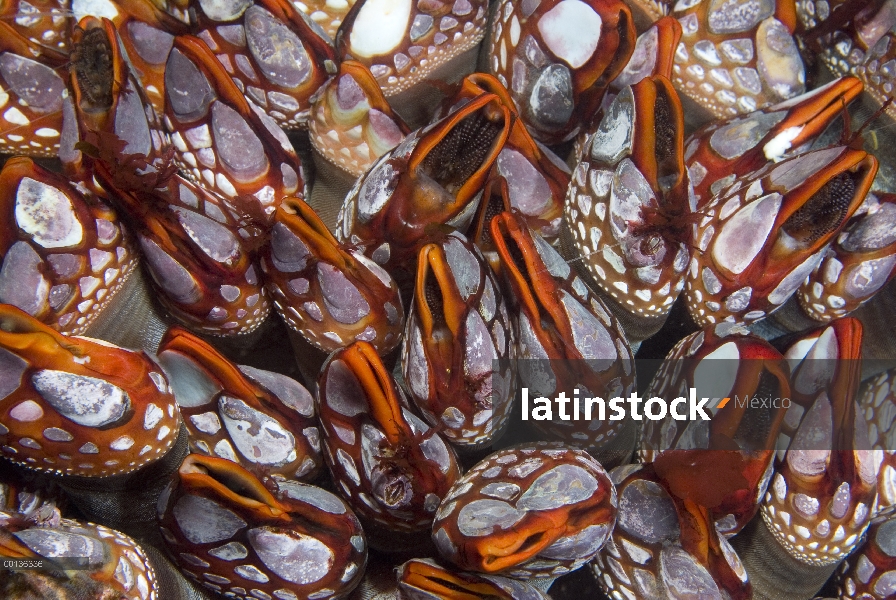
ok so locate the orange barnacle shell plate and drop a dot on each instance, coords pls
(388, 464)
(229, 533)
(65, 254)
(78, 406)
(534, 510)
(261, 420)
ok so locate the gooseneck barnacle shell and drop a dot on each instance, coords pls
(77, 406)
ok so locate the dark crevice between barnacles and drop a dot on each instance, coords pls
(92, 63)
(462, 151)
(494, 207)
(824, 212)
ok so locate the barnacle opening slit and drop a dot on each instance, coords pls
(494, 202)
(515, 261)
(506, 551)
(92, 62)
(226, 474)
(377, 384)
(432, 297)
(454, 590)
(462, 151)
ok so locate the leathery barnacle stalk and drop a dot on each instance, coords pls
(74, 406)
(566, 338)
(389, 465)
(261, 420)
(232, 535)
(427, 185)
(458, 350)
(537, 510)
(737, 445)
(628, 205)
(328, 292)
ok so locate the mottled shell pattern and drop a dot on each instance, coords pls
(763, 234)
(220, 139)
(653, 55)
(566, 337)
(147, 37)
(115, 565)
(201, 260)
(722, 151)
(44, 23)
(663, 547)
(556, 57)
(113, 113)
(870, 572)
(77, 406)
(32, 89)
(737, 57)
(351, 123)
(853, 37)
(389, 465)
(531, 511)
(877, 401)
(860, 262)
(261, 420)
(65, 255)
(459, 345)
(723, 361)
(231, 535)
(820, 499)
(327, 291)
(536, 177)
(627, 202)
(404, 42)
(276, 58)
(427, 185)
